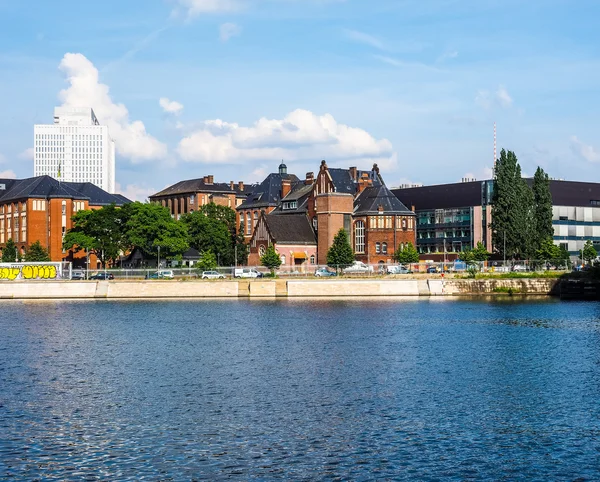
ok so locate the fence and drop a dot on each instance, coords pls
(357, 270)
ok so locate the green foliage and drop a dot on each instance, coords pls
(37, 252)
(589, 252)
(207, 233)
(542, 206)
(406, 254)
(98, 231)
(221, 213)
(9, 253)
(241, 248)
(340, 254)
(472, 255)
(550, 252)
(150, 226)
(472, 269)
(271, 259)
(207, 262)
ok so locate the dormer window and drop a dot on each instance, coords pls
(290, 205)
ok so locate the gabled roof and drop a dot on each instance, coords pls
(291, 229)
(372, 198)
(268, 192)
(46, 187)
(300, 193)
(192, 186)
(344, 183)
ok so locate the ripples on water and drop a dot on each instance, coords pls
(300, 390)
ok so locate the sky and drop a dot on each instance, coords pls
(231, 88)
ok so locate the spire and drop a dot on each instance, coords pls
(282, 168)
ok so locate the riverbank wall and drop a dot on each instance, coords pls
(351, 288)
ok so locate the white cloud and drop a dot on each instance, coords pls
(364, 38)
(503, 97)
(193, 8)
(170, 106)
(300, 135)
(9, 174)
(228, 30)
(131, 139)
(449, 54)
(135, 192)
(27, 154)
(586, 151)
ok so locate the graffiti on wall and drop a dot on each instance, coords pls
(28, 271)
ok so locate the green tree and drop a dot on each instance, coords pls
(551, 253)
(207, 233)
(542, 199)
(9, 253)
(512, 210)
(149, 226)
(589, 252)
(406, 254)
(207, 262)
(271, 259)
(241, 247)
(37, 252)
(480, 253)
(99, 231)
(340, 254)
(467, 256)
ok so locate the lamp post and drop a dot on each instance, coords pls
(158, 259)
(504, 250)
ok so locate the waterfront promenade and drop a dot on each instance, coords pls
(151, 289)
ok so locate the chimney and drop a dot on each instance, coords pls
(380, 208)
(241, 185)
(286, 187)
(412, 208)
(364, 182)
(353, 173)
(310, 178)
(231, 185)
(210, 179)
(205, 179)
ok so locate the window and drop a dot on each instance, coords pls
(261, 250)
(192, 199)
(312, 259)
(290, 205)
(315, 223)
(255, 218)
(384, 248)
(248, 223)
(595, 202)
(283, 259)
(377, 248)
(359, 237)
(403, 223)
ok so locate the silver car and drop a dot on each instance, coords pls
(212, 275)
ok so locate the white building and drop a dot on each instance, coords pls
(76, 148)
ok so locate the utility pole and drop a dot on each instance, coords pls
(158, 259)
(504, 250)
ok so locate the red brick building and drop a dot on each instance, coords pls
(40, 209)
(188, 196)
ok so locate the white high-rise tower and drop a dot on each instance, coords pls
(76, 148)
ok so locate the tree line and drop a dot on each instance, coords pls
(110, 231)
(34, 253)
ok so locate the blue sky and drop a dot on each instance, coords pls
(412, 85)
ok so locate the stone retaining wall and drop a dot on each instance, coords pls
(268, 288)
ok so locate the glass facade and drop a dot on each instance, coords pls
(444, 230)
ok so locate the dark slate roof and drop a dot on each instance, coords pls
(47, 187)
(369, 200)
(292, 229)
(571, 193)
(343, 182)
(191, 186)
(268, 192)
(300, 193)
(442, 196)
(98, 196)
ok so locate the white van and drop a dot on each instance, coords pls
(247, 273)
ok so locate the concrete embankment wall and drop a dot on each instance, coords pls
(268, 288)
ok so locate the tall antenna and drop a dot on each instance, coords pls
(495, 145)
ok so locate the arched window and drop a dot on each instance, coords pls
(248, 223)
(359, 237)
(403, 223)
(283, 259)
(255, 218)
(312, 259)
(384, 248)
(261, 250)
(377, 248)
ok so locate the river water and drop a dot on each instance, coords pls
(300, 390)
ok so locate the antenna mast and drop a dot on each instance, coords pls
(495, 157)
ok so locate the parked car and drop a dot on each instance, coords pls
(324, 272)
(433, 269)
(247, 273)
(77, 274)
(397, 269)
(358, 267)
(161, 274)
(212, 275)
(102, 276)
(519, 268)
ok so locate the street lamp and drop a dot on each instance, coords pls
(158, 259)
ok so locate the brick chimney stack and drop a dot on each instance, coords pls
(286, 187)
(205, 179)
(210, 179)
(310, 178)
(231, 185)
(364, 182)
(241, 185)
(354, 173)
